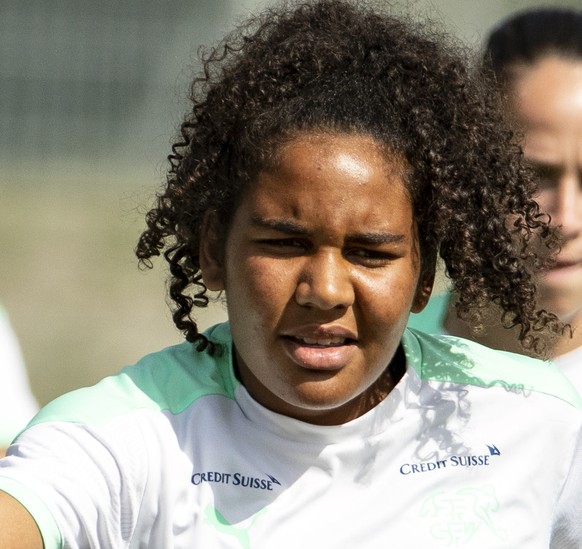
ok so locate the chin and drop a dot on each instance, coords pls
(564, 309)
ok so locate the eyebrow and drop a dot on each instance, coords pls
(292, 228)
(281, 225)
(542, 165)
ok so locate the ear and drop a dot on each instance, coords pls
(210, 254)
(423, 290)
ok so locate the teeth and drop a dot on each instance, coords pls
(323, 342)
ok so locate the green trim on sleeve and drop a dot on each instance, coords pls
(7, 431)
(457, 360)
(49, 530)
(170, 380)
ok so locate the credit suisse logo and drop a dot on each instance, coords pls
(484, 459)
(266, 482)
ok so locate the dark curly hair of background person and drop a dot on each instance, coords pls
(341, 66)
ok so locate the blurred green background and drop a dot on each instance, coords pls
(91, 94)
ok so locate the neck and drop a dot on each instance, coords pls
(497, 337)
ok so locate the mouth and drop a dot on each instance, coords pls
(564, 265)
(321, 351)
(322, 342)
(562, 271)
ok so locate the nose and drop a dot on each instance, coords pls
(325, 281)
(567, 210)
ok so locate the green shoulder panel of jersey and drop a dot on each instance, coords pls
(169, 380)
(457, 360)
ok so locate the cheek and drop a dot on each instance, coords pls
(546, 199)
(258, 286)
(268, 278)
(389, 296)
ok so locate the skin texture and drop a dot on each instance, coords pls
(321, 270)
(546, 100)
(19, 531)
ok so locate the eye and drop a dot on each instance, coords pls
(370, 257)
(287, 246)
(546, 175)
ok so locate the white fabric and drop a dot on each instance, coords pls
(571, 365)
(151, 462)
(17, 405)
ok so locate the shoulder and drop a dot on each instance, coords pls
(457, 360)
(168, 380)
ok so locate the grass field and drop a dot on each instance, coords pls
(75, 296)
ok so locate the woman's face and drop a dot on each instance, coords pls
(321, 270)
(547, 99)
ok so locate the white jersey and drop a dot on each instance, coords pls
(473, 448)
(17, 404)
(571, 365)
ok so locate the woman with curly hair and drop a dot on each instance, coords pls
(332, 153)
(536, 56)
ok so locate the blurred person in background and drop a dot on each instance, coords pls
(17, 403)
(536, 57)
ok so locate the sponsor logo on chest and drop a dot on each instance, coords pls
(461, 461)
(266, 482)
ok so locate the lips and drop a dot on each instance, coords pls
(318, 348)
(564, 264)
(563, 273)
(322, 341)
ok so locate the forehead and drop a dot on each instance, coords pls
(334, 180)
(547, 98)
(351, 156)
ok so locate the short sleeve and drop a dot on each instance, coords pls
(90, 485)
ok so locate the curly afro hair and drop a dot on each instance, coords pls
(341, 66)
